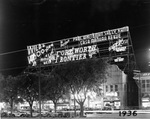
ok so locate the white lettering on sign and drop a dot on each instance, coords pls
(146, 74)
(97, 38)
(120, 49)
(101, 36)
(119, 59)
(34, 48)
(64, 42)
(118, 46)
(32, 59)
(73, 54)
(73, 57)
(115, 36)
(39, 49)
(84, 42)
(48, 53)
(111, 94)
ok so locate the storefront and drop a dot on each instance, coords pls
(112, 99)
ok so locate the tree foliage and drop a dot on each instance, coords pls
(28, 88)
(9, 91)
(78, 78)
(1, 92)
(82, 76)
(55, 88)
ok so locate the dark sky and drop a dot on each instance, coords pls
(29, 22)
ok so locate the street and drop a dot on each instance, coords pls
(102, 116)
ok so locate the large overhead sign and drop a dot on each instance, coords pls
(80, 47)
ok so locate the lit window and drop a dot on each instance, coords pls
(111, 87)
(106, 88)
(116, 87)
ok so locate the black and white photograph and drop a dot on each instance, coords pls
(74, 59)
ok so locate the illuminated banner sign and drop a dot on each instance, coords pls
(72, 54)
(49, 56)
(119, 45)
(79, 48)
(119, 59)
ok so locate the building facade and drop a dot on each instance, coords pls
(114, 88)
(143, 80)
(113, 91)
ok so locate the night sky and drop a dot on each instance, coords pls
(29, 22)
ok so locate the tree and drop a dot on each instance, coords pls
(9, 91)
(55, 88)
(83, 76)
(28, 88)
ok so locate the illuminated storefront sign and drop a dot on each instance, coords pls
(145, 74)
(111, 94)
(117, 104)
(142, 76)
(78, 48)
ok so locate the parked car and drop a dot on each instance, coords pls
(35, 114)
(54, 114)
(17, 114)
(24, 114)
(47, 114)
(11, 115)
(66, 114)
(107, 107)
(4, 114)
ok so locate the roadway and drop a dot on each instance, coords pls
(102, 116)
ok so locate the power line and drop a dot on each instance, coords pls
(11, 52)
(13, 68)
(16, 51)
